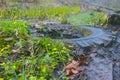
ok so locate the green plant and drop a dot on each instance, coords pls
(56, 53)
(43, 13)
(37, 61)
(14, 27)
(89, 18)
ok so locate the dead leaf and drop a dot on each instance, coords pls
(67, 72)
(74, 68)
(74, 71)
(16, 32)
(8, 39)
(74, 64)
(16, 51)
(83, 60)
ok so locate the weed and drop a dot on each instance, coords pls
(44, 57)
(42, 13)
(14, 27)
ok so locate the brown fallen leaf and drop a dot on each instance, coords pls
(68, 72)
(74, 71)
(74, 64)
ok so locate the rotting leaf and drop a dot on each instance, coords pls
(74, 64)
(72, 69)
(76, 67)
(83, 60)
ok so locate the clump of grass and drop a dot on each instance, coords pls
(89, 18)
(11, 31)
(37, 59)
(41, 13)
(12, 27)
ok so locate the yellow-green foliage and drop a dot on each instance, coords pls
(9, 27)
(42, 13)
(37, 59)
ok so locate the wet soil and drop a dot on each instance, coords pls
(105, 61)
(113, 53)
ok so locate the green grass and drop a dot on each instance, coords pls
(37, 58)
(88, 18)
(42, 13)
(9, 27)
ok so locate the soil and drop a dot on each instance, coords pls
(58, 31)
(105, 63)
